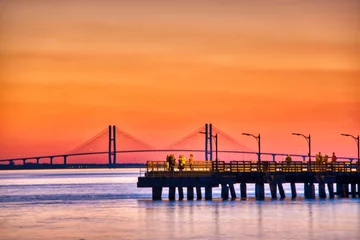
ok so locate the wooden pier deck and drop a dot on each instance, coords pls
(207, 174)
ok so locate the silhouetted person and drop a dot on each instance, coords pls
(333, 158)
(288, 160)
(172, 162)
(333, 161)
(191, 161)
(182, 161)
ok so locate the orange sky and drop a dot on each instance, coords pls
(160, 70)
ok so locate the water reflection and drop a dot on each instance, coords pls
(116, 209)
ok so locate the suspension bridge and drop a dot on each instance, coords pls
(113, 147)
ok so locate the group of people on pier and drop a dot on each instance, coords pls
(324, 159)
(319, 158)
(171, 162)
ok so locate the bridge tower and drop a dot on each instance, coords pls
(208, 142)
(112, 144)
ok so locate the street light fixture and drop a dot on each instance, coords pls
(258, 140)
(308, 139)
(357, 141)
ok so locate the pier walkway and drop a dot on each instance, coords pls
(210, 174)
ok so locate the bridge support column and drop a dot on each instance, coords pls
(281, 191)
(208, 193)
(24, 161)
(322, 192)
(156, 193)
(273, 190)
(181, 193)
(198, 193)
(172, 193)
(190, 193)
(232, 191)
(243, 190)
(224, 192)
(293, 190)
(309, 190)
(259, 191)
(37, 161)
(51, 160)
(331, 190)
(353, 190)
(65, 160)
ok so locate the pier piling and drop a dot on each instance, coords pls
(232, 191)
(309, 190)
(156, 193)
(273, 190)
(281, 190)
(224, 192)
(198, 193)
(259, 191)
(331, 190)
(243, 190)
(353, 190)
(172, 193)
(181, 193)
(208, 193)
(322, 192)
(190, 193)
(293, 190)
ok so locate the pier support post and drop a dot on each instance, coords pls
(172, 193)
(156, 193)
(293, 190)
(281, 191)
(243, 190)
(322, 192)
(208, 193)
(181, 193)
(331, 190)
(224, 192)
(232, 191)
(353, 190)
(198, 193)
(190, 193)
(259, 191)
(309, 190)
(358, 188)
(343, 190)
(273, 190)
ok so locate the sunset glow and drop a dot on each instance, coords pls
(161, 69)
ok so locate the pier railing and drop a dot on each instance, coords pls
(252, 166)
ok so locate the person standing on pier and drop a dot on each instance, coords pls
(333, 161)
(182, 161)
(288, 161)
(167, 162)
(191, 162)
(172, 162)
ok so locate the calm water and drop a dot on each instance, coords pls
(105, 204)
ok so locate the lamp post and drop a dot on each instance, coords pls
(258, 140)
(357, 141)
(308, 139)
(216, 148)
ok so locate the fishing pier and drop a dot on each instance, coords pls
(237, 174)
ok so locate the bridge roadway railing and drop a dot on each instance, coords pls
(161, 167)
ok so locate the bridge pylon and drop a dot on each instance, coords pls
(208, 142)
(112, 145)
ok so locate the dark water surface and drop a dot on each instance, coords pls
(105, 204)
